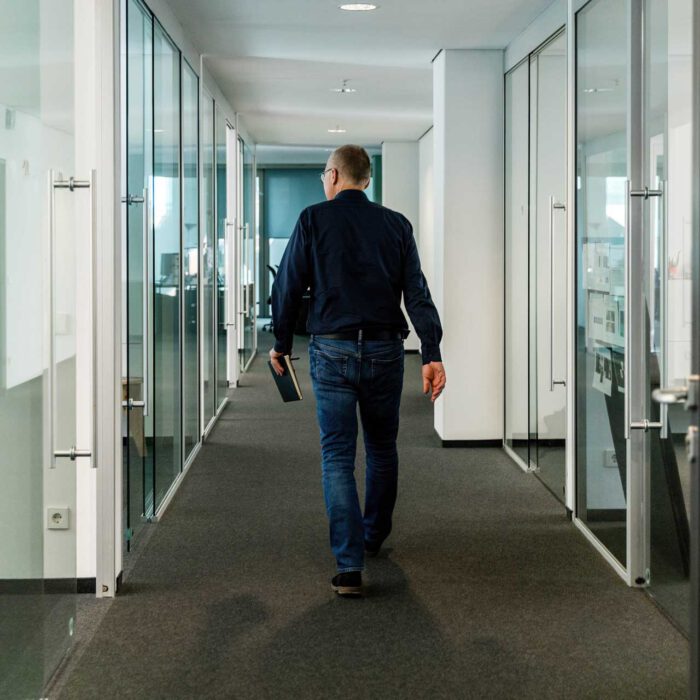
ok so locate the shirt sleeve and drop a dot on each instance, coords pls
(291, 281)
(419, 303)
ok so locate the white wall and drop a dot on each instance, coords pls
(426, 206)
(400, 193)
(468, 171)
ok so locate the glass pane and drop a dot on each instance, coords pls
(208, 270)
(166, 261)
(37, 564)
(221, 286)
(190, 157)
(516, 254)
(602, 60)
(138, 455)
(667, 166)
(249, 252)
(548, 256)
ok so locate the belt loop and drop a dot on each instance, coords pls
(359, 343)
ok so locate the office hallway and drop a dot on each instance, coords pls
(485, 590)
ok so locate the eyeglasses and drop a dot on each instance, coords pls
(323, 174)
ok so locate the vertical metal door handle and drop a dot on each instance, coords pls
(626, 306)
(71, 184)
(146, 293)
(663, 302)
(552, 206)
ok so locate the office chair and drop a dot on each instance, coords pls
(273, 272)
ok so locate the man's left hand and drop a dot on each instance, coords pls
(276, 364)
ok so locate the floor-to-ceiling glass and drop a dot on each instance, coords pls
(42, 245)
(248, 255)
(221, 277)
(167, 380)
(516, 264)
(190, 256)
(666, 164)
(536, 263)
(208, 262)
(548, 263)
(137, 202)
(602, 36)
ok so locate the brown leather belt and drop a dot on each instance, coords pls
(361, 335)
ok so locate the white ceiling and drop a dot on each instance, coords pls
(277, 60)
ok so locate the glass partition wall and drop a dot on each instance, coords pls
(175, 278)
(208, 262)
(634, 323)
(46, 245)
(248, 257)
(535, 251)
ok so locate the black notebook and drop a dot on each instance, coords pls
(287, 384)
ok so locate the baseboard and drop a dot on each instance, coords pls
(120, 581)
(412, 352)
(87, 585)
(606, 515)
(471, 443)
(50, 586)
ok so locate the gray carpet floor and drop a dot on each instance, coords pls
(485, 590)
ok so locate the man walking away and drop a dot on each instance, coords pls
(358, 259)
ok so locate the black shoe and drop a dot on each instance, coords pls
(348, 584)
(371, 549)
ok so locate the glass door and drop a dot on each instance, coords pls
(208, 263)
(603, 163)
(44, 246)
(137, 200)
(517, 374)
(248, 256)
(536, 263)
(167, 283)
(190, 256)
(548, 257)
(668, 280)
(221, 272)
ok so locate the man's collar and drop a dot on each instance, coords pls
(357, 195)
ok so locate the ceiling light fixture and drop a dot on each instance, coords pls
(344, 89)
(337, 130)
(593, 91)
(358, 7)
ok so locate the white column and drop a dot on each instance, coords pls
(400, 193)
(468, 230)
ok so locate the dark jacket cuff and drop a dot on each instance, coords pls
(430, 353)
(284, 347)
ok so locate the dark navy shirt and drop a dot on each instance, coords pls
(358, 259)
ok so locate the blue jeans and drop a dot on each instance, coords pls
(345, 373)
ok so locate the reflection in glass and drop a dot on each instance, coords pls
(667, 167)
(248, 254)
(138, 455)
(516, 254)
(190, 254)
(548, 257)
(602, 32)
(221, 286)
(208, 270)
(166, 261)
(38, 133)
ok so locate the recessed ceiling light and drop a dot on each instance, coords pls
(358, 7)
(344, 89)
(592, 91)
(337, 130)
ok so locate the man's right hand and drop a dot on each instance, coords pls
(434, 379)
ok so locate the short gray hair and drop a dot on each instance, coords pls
(353, 161)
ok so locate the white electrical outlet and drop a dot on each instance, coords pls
(58, 519)
(609, 459)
